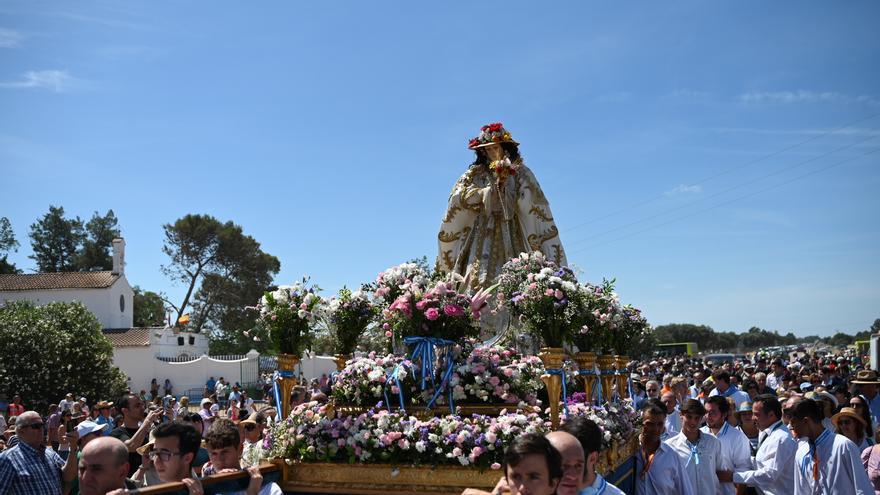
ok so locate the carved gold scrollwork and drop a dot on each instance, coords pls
(448, 236)
(447, 259)
(476, 207)
(450, 214)
(540, 213)
(535, 240)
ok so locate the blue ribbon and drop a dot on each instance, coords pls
(276, 390)
(695, 455)
(425, 354)
(597, 387)
(561, 372)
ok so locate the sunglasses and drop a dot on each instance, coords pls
(250, 427)
(35, 426)
(845, 422)
(856, 404)
(165, 455)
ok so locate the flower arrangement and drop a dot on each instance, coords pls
(632, 327)
(347, 315)
(362, 381)
(618, 422)
(544, 296)
(289, 313)
(600, 317)
(312, 433)
(503, 169)
(394, 281)
(495, 375)
(437, 312)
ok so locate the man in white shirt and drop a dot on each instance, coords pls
(673, 420)
(698, 452)
(825, 463)
(725, 389)
(66, 403)
(774, 379)
(658, 470)
(735, 447)
(589, 436)
(773, 470)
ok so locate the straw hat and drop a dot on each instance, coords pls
(866, 377)
(850, 412)
(491, 134)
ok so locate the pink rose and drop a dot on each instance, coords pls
(494, 381)
(421, 305)
(453, 310)
(495, 466)
(388, 334)
(432, 314)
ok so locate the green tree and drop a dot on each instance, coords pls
(7, 244)
(148, 308)
(47, 351)
(55, 241)
(95, 251)
(223, 271)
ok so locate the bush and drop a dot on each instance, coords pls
(47, 351)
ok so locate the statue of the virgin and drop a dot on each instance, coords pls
(496, 211)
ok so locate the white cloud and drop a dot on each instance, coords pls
(804, 96)
(684, 189)
(9, 38)
(688, 95)
(54, 80)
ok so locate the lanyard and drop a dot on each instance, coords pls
(813, 455)
(695, 454)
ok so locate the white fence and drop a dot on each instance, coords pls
(190, 374)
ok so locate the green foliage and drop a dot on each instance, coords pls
(149, 309)
(95, 255)
(223, 271)
(55, 241)
(47, 351)
(7, 244)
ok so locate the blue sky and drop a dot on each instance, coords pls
(719, 160)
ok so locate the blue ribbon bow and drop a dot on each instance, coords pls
(276, 389)
(424, 352)
(561, 373)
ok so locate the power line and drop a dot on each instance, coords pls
(724, 172)
(754, 193)
(724, 191)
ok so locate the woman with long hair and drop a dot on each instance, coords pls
(860, 404)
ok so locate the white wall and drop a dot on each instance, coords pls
(141, 366)
(104, 303)
(165, 343)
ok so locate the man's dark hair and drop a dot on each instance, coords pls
(222, 433)
(808, 409)
(656, 402)
(653, 409)
(777, 362)
(187, 435)
(721, 402)
(586, 431)
(693, 406)
(721, 375)
(123, 401)
(192, 417)
(770, 403)
(529, 444)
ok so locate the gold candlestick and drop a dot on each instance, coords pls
(552, 358)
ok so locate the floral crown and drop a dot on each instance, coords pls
(491, 134)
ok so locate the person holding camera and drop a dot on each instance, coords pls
(31, 468)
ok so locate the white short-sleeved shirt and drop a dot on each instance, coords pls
(700, 460)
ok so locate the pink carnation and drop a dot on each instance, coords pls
(432, 314)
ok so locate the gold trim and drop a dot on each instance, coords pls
(447, 259)
(543, 215)
(450, 214)
(475, 207)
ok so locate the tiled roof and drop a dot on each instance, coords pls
(130, 337)
(64, 280)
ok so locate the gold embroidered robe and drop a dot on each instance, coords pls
(484, 226)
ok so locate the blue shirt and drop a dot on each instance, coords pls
(28, 471)
(111, 425)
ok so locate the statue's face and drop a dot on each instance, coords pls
(494, 152)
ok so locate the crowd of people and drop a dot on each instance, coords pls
(775, 425)
(799, 424)
(112, 447)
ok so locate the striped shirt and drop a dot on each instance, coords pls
(25, 470)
